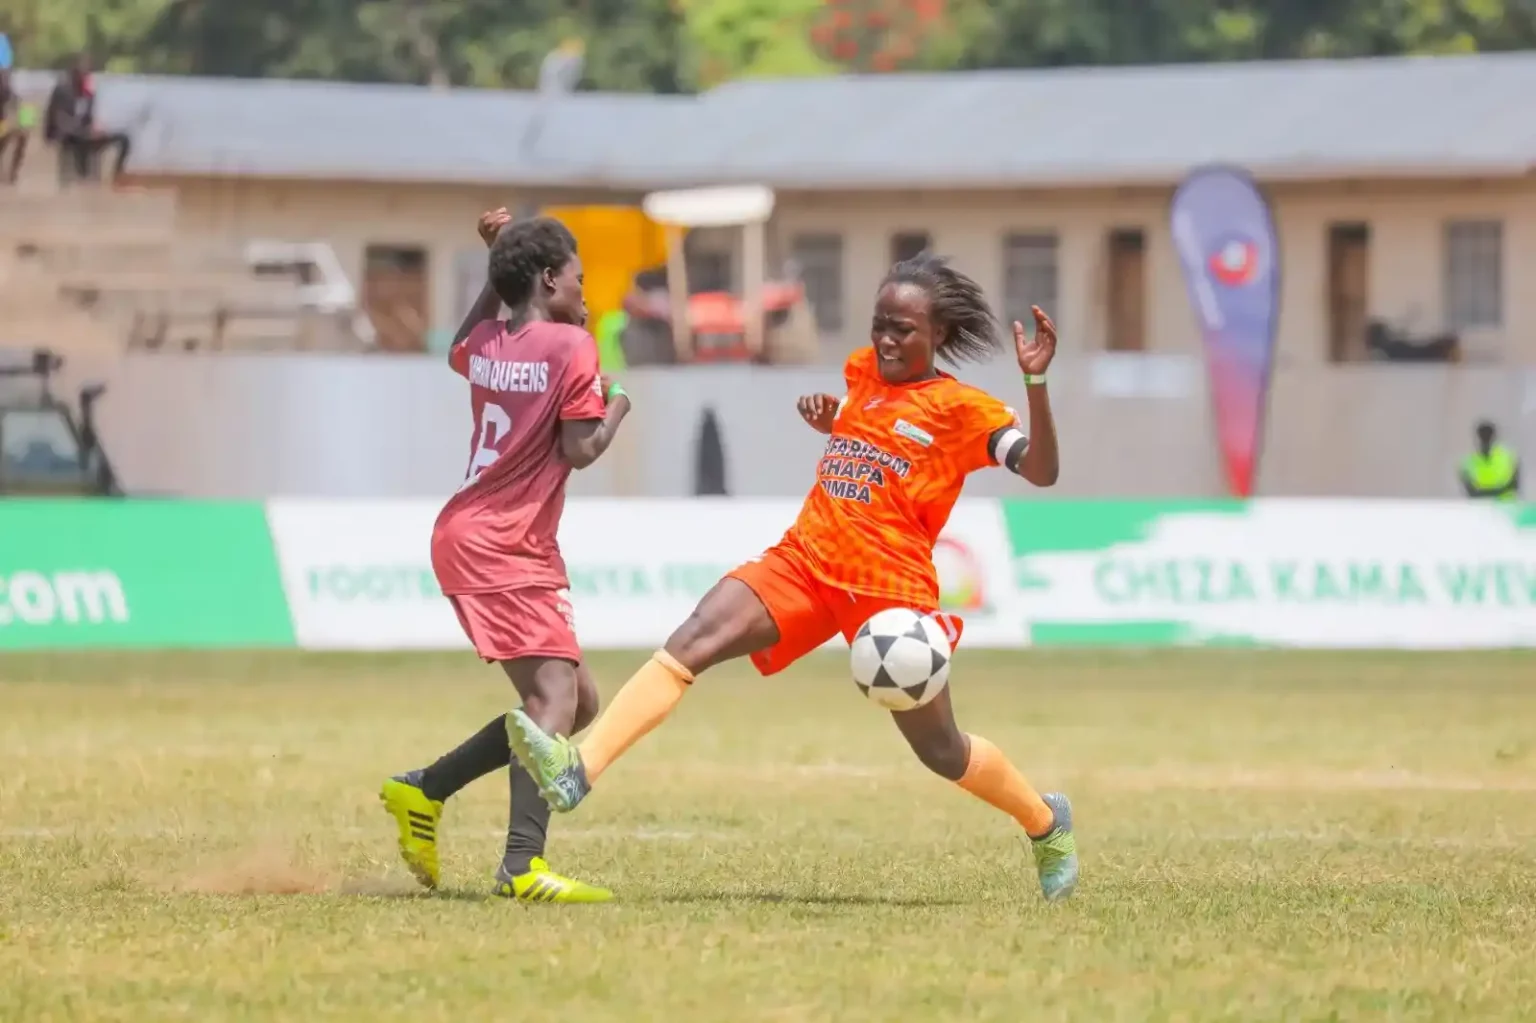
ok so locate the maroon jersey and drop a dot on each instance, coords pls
(498, 531)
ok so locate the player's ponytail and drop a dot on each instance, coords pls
(958, 307)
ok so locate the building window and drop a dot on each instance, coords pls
(1474, 274)
(1127, 290)
(819, 261)
(906, 245)
(1029, 276)
(1349, 291)
(395, 288)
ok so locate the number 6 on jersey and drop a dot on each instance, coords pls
(495, 427)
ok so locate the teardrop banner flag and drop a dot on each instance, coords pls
(1226, 242)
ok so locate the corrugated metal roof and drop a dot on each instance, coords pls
(312, 129)
(1410, 115)
(1399, 116)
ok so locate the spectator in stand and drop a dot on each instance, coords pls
(72, 121)
(13, 117)
(15, 122)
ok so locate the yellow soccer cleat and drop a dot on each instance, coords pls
(541, 884)
(417, 817)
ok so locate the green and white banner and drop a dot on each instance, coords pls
(358, 575)
(108, 573)
(1296, 573)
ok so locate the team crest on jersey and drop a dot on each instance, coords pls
(907, 430)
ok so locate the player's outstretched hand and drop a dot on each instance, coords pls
(1035, 354)
(491, 223)
(818, 411)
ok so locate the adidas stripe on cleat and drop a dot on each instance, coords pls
(416, 818)
(540, 884)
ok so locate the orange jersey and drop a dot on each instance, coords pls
(892, 470)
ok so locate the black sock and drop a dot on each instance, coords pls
(476, 757)
(529, 824)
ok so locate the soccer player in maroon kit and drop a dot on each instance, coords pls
(540, 409)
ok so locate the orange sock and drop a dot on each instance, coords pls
(992, 778)
(643, 703)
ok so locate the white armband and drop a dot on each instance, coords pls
(1004, 444)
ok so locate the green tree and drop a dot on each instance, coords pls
(638, 46)
(44, 33)
(1026, 33)
(679, 45)
(751, 39)
(890, 35)
(1410, 26)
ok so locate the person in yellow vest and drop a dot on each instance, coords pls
(610, 341)
(17, 119)
(1492, 471)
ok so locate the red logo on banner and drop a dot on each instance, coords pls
(1230, 255)
(1236, 263)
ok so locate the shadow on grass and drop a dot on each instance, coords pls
(414, 893)
(682, 898)
(802, 899)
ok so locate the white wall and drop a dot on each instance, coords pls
(1405, 280)
(1405, 283)
(358, 426)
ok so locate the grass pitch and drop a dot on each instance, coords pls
(1265, 836)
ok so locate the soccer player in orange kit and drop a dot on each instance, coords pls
(901, 442)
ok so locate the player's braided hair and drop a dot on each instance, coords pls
(522, 252)
(957, 306)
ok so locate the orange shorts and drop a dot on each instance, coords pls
(809, 612)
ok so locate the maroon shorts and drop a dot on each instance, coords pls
(519, 623)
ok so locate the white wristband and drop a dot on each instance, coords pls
(1031, 379)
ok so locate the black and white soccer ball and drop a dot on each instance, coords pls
(901, 659)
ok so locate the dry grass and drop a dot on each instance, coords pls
(1266, 837)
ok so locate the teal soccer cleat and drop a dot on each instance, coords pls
(1056, 851)
(552, 761)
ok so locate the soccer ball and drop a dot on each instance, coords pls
(901, 659)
